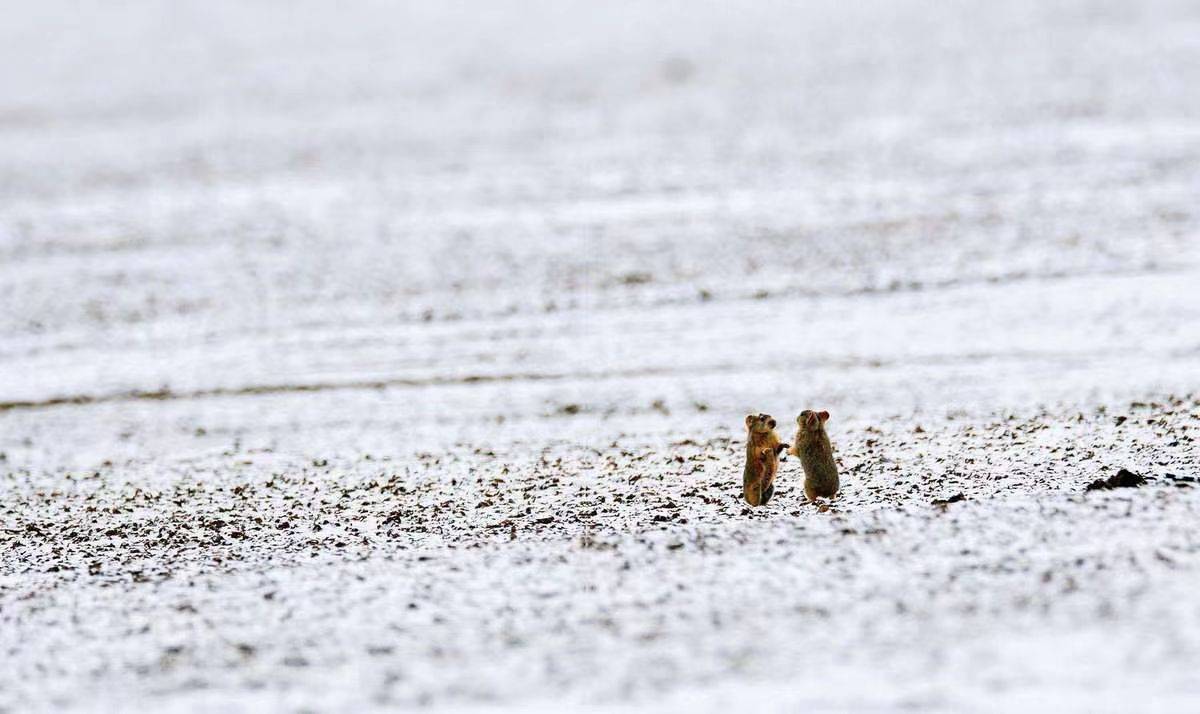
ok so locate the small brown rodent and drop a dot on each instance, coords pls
(762, 459)
(816, 455)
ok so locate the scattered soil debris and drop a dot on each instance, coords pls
(947, 501)
(1122, 479)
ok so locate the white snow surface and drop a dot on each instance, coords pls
(374, 355)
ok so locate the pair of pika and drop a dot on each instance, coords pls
(811, 446)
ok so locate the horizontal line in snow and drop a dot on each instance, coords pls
(167, 394)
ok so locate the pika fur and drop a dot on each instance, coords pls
(816, 455)
(762, 459)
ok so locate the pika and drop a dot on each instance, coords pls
(762, 459)
(816, 455)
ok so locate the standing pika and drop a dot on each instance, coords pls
(816, 455)
(762, 459)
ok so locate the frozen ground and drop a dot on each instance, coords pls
(379, 355)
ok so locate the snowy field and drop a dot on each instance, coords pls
(378, 355)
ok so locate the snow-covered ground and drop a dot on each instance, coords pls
(380, 354)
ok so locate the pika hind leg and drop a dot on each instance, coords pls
(752, 494)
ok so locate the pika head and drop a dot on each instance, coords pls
(810, 420)
(760, 423)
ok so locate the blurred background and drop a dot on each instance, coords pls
(199, 196)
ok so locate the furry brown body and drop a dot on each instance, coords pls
(816, 455)
(762, 459)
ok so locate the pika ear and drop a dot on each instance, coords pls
(823, 415)
(749, 419)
